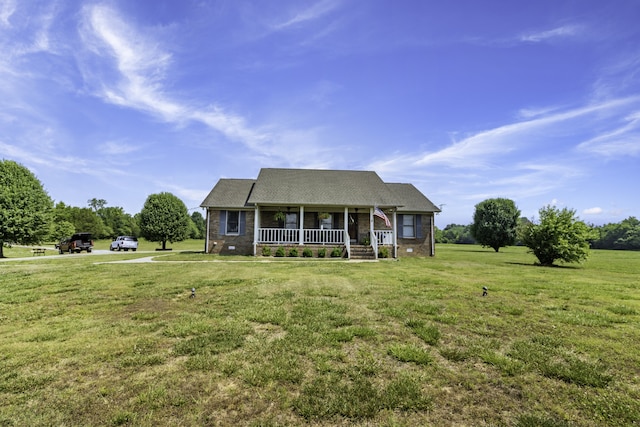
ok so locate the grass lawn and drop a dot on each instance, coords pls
(143, 245)
(320, 342)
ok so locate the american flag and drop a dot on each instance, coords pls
(378, 212)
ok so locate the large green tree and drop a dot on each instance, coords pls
(25, 207)
(83, 220)
(495, 222)
(558, 236)
(163, 218)
(117, 222)
(96, 204)
(200, 226)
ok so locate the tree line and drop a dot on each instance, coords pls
(28, 215)
(104, 222)
(624, 235)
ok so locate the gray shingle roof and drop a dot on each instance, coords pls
(412, 199)
(311, 187)
(229, 193)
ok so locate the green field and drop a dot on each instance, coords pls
(84, 341)
(143, 245)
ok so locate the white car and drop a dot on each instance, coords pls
(124, 242)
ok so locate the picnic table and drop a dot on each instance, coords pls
(38, 251)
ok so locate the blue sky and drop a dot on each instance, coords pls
(537, 101)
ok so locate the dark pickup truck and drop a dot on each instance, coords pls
(77, 243)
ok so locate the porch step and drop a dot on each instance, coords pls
(362, 252)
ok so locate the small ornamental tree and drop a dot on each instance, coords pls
(559, 236)
(495, 222)
(163, 218)
(25, 207)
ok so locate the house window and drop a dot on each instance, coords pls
(233, 222)
(408, 226)
(291, 221)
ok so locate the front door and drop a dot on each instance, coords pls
(353, 227)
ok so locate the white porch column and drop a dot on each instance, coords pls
(346, 223)
(372, 235)
(206, 238)
(347, 239)
(395, 234)
(301, 237)
(371, 224)
(256, 229)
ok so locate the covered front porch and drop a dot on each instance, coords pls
(331, 226)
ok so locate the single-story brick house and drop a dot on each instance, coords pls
(353, 210)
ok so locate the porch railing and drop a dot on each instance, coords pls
(318, 236)
(278, 235)
(384, 237)
(292, 236)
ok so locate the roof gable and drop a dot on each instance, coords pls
(412, 199)
(229, 193)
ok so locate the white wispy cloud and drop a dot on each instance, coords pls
(185, 193)
(24, 32)
(7, 8)
(312, 13)
(621, 141)
(50, 159)
(482, 165)
(480, 149)
(116, 148)
(526, 180)
(619, 75)
(141, 67)
(593, 211)
(531, 113)
(139, 62)
(562, 32)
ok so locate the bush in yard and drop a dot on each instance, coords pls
(558, 236)
(336, 252)
(293, 252)
(280, 251)
(307, 253)
(322, 252)
(383, 252)
(266, 251)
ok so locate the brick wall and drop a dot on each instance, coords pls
(417, 247)
(243, 245)
(230, 245)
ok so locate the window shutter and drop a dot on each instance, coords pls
(243, 223)
(419, 233)
(399, 225)
(223, 223)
